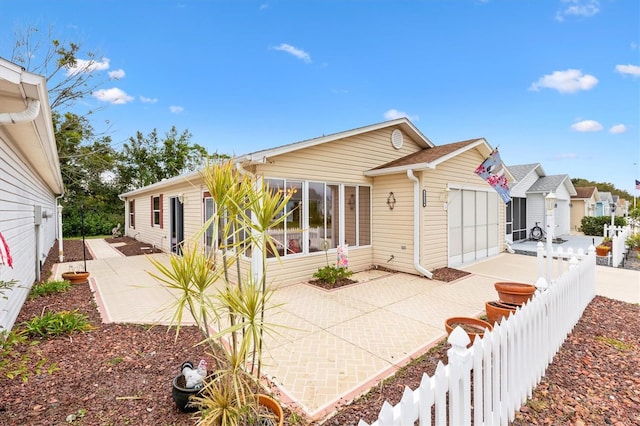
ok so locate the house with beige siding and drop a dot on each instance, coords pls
(385, 191)
(583, 204)
(30, 182)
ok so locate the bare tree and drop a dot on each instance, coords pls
(69, 77)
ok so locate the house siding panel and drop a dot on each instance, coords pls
(20, 191)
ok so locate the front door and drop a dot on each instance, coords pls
(177, 225)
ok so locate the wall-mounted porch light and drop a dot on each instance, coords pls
(391, 201)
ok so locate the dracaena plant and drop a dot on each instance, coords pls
(229, 306)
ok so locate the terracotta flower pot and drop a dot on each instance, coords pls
(497, 310)
(602, 250)
(516, 293)
(274, 407)
(472, 326)
(76, 277)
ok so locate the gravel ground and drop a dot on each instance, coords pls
(121, 374)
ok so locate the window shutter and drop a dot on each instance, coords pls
(161, 211)
(133, 213)
(152, 210)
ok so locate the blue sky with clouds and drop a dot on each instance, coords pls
(549, 81)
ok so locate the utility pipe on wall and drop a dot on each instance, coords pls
(416, 226)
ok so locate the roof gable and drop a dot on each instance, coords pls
(552, 183)
(584, 191)
(403, 123)
(521, 171)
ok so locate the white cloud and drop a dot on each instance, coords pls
(392, 114)
(88, 65)
(146, 100)
(587, 126)
(618, 128)
(298, 53)
(116, 74)
(633, 70)
(176, 109)
(584, 8)
(114, 96)
(569, 81)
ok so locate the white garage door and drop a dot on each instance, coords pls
(473, 225)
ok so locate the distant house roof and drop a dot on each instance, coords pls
(605, 196)
(584, 192)
(429, 158)
(404, 123)
(552, 183)
(521, 171)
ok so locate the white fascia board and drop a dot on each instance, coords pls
(260, 157)
(186, 177)
(399, 169)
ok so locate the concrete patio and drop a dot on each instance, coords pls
(338, 343)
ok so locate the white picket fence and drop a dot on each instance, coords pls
(618, 235)
(487, 383)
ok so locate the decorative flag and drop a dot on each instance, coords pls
(5, 254)
(492, 171)
(637, 184)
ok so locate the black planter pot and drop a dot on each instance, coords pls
(181, 395)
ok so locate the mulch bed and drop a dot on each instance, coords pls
(132, 247)
(121, 374)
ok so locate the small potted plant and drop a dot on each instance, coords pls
(604, 247)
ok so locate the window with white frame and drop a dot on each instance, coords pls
(132, 213)
(314, 216)
(155, 210)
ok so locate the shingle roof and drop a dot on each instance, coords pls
(584, 191)
(426, 155)
(522, 170)
(548, 183)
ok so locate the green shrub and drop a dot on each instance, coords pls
(331, 274)
(594, 225)
(633, 241)
(56, 323)
(49, 287)
(17, 363)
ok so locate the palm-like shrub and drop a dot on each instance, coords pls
(228, 305)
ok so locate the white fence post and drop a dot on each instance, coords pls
(505, 365)
(540, 255)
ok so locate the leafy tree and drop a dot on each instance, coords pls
(87, 164)
(148, 159)
(602, 187)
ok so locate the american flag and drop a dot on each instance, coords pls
(637, 184)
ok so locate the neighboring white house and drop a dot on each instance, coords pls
(527, 207)
(30, 181)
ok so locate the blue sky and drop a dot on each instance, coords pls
(549, 81)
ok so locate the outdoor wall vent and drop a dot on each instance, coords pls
(397, 139)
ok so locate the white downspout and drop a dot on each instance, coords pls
(29, 114)
(416, 226)
(59, 218)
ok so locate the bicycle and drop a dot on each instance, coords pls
(536, 233)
